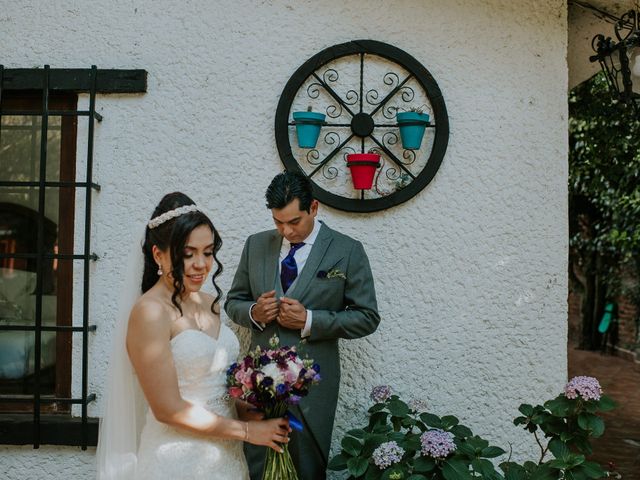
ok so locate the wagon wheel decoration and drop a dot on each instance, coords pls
(353, 96)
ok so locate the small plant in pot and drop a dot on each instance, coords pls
(412, 125)
(308, 125)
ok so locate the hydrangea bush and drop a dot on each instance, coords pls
(403, 441)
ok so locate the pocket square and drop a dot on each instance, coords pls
(333, 273)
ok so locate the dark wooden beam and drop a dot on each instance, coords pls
(75, 80)
(54, 430)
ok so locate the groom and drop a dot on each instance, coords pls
(303, 281)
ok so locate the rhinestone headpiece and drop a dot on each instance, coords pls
(166, 216)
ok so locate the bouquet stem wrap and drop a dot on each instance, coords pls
(278, 466)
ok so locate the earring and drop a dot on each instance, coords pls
(159, 270)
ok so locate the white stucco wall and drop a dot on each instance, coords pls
(470, 274)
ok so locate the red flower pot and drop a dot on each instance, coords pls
(363, 168)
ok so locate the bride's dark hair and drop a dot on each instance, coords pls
(172, 235)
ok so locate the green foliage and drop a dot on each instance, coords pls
(562, 427)
(604, 184)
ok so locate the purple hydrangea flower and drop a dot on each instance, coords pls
(380, 393)
(437, 443)
(418, 405)
(587, 387)
(387, 454)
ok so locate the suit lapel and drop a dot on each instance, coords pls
(271, 257)
(320, 246)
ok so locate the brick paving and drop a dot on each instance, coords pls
(620, 379)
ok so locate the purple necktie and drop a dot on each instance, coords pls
(289, 268)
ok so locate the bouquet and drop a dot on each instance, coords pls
(271, 380)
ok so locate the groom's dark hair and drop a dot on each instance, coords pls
(287, 186)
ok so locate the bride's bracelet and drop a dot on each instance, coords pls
(246, 431)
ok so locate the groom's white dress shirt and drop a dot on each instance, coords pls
(300, 256)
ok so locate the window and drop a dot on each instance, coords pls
(39, 262)
(20, 145)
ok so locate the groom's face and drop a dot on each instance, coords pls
(294, 224)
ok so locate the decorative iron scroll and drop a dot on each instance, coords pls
(360, 86)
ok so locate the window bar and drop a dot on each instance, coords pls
(40, 260)
(87, 255)
(1, 85)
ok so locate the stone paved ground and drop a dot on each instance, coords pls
(620, 379)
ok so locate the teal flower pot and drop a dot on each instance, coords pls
(308, 126)
(412, 126)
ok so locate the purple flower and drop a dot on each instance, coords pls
(387, 454)
(587, 387)
(380, 393)
(281, 389)
(418, 405)
(437, 443)
(294, 399)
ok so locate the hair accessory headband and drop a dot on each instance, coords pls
(166, 216)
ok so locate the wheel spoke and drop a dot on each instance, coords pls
(331, 92)
(330, 156)
(391, 94)
(395, 159)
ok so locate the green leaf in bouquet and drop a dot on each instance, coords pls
(357, 433)
(423, 464)
(417, 476)
(460, 431)
(398, 408)
(381, 428)
(592, 423)
(454, 469)
(396, 436)
(530, 466)
(606, 403)
(352, 446)
(339, 462)
(357, 466)
(526, 409)
(431, 420)
(492, 452)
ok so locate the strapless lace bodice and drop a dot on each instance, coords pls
(166, 453)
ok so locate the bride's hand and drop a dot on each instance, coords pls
(247, 412)
(269, 433)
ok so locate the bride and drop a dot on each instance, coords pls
(173, 351)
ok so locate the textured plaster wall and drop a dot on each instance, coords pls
(470, 274)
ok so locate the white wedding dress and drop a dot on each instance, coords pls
(166, 453)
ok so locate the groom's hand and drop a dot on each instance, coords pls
(292, 315)
(266, 308)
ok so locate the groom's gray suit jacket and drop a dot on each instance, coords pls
(342, 308)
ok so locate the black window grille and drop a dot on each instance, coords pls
(57, 429)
